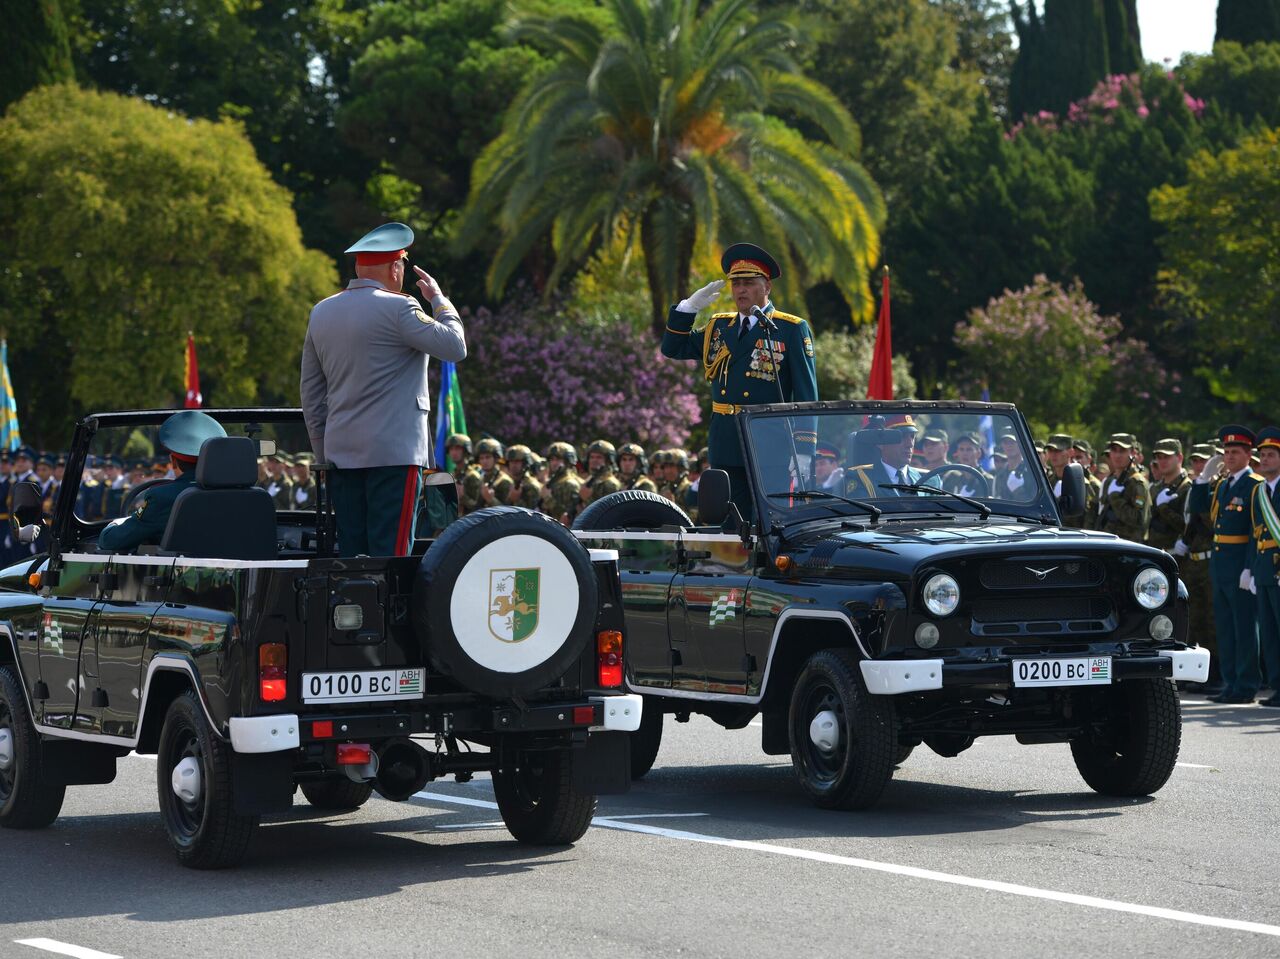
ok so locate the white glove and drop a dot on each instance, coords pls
(800, 466)
(1164, 496)
(701, 299)
(29, 534)
(1210, 469)
(1180, 549)
(1246, 580)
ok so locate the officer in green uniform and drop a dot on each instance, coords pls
(1124, 507)
(1057, 456)
(488, 484)
(734, 350)
(601, 478)
(633, 466)
(1014, 479)
(1193, 551)
(525, 489)
(1265, 569)
(1168, 496)
(1227, 498)
(560, 494)
(182, 434)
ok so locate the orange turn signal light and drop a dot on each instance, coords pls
(273, 654)
(784, 564)
(34, 580)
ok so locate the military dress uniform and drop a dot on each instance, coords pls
(1124, 507)
(736, 360)
(1194, 551)
(1227, 499)
(1266, 566)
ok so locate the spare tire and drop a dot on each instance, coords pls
(631, 509)
(505, 601)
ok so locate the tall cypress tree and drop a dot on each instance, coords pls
(1124, 42)
(1248, 21)
(39, 48)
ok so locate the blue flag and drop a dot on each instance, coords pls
(989, 435)
(10, 436)
(449, 416)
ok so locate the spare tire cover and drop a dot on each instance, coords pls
(505, 601)
(631, 508)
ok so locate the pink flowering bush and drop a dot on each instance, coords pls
(1117, 93)
(532, 376)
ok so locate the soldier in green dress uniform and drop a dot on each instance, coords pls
(560, 494)
(1124, 507)
(525, 489)
(633, 467)
(1265, 569)
(488, 484)
(1227, 498)
(734, 350)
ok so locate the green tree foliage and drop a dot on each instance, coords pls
(1240, 82)
(984, 38)
(844, 365)
(37, 48)
(660, 121)
(125, 226)
(1063, 53)
(1248, 21)
(1222, 261)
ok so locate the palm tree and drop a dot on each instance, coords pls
(665, 123)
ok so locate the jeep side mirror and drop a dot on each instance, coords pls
(713, 497)
(28, 505)
(1071, 501)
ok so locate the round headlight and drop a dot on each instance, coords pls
(1151, 588)
(941, 595)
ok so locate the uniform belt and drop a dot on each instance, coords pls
(1207, 554)
(729, 409)
(1232, 540)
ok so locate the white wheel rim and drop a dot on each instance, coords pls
(186, 781)
(824, 731)
(6, 750)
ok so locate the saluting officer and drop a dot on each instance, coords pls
(1265, 569)
(1124, 508)
(736, 360)
(365, 396)
(1227, 498)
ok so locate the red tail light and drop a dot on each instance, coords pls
(353, 754)
(273, 672)
(609, 658)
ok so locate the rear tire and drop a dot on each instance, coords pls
(646, 740)
(206, 833)
(1135, 753)
(27, 799)
(538, 801)
(342, 795)
(853, 772)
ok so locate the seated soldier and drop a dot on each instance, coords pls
(182, 434)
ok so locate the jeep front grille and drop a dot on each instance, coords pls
(1041, 616)
(1049, 573)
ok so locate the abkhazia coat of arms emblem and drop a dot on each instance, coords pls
(513, 603)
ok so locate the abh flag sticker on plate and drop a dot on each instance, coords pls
(513, 603)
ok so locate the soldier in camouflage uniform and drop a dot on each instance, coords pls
(525, 491)
(488, 484)
(277, 481)
(1193, 551)
(675, 481)
(1124, 508)
(457, 452)
(601, 458)
(1082, 453)
(1168, 496)
(560, 494)
(633, 466)
(1057, 454)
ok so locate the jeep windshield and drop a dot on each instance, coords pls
(961, 458)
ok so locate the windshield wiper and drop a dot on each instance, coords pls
(937, 491)
(875, 511)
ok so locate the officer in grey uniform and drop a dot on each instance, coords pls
(364, 392)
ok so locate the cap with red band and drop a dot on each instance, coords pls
(1269, 436)
(746, 260)
(377, 259)
(1236, 435)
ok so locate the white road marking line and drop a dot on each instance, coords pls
(1013, 889)
(473, 825)
(65, 949)
(661, 815)
(1194, 766)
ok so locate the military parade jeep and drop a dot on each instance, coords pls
(859, 616)
(251, 661)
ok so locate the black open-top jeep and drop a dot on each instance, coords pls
(861, 616)
(252, 661)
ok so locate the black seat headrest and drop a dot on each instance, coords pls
(227, 462)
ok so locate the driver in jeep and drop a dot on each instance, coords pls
(182, 434)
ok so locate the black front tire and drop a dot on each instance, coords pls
(1136, 750)
(207, 833)
(646, 740)
(538, 801)
(337, 794)
(854, 772)
(27, 799)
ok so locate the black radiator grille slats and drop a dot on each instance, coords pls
(1043, 574)
(1040, 608)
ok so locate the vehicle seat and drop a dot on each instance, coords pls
(224, 516)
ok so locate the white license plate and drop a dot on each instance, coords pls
(362, 686)
(1085, 671)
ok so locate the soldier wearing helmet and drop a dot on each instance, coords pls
(560, 494)
(525, 491)
(457, 451)
(488, 484)
(632, 467)
(601, 478)
(675, 480)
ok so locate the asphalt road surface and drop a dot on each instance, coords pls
(999, 852)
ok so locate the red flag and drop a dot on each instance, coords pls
(880, 385)
(194, 399)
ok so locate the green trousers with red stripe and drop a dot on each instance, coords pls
(376, 509)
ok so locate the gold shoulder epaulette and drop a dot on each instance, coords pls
(1257, 476)
(722, 316)
(789, 317)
